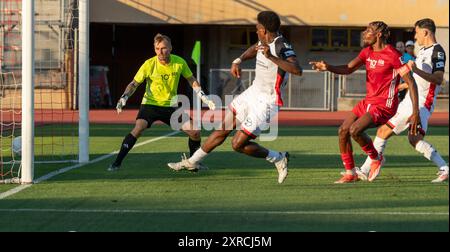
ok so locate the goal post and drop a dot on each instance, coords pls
(44, 86)
(83, 127)
(27, 162)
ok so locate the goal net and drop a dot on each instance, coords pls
(55, 84)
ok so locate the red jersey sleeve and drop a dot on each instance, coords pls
(396, 59)
(363, 54)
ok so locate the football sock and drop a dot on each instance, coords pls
(348, 161)
(438, 160)
(198, 156)
(430, 153)
(193, 146)
(127, 145)
(365, 168)
(444, 169)
(380, 145)
(274, 156)
(369, 149)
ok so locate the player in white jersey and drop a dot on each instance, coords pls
(262, 100)
(429, 74)
(257, 105)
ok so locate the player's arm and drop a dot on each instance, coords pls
(289, 65)
(129, 91)
(414, 119)
(437, 77)
(250, 53)
(193, 82)
(342, 69)
(198, 90)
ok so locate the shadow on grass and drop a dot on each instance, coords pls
(115, 213)
(120, 130)
(154, 166)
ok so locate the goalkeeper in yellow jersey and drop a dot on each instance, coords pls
(161, 74)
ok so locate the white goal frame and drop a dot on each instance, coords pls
(28, 49)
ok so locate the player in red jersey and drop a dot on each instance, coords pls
(383, 71)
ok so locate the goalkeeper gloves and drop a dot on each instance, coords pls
(204, 98)
(121, 103)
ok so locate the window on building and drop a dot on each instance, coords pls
(331, 38)
(320, 37)
(242, 37)
(253, 37)
(339, 38)
(355, 38)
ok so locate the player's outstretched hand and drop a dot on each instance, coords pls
(120, 104)
(319, 65)
(235, 70)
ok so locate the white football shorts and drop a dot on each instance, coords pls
(399, 121)
(254, 111)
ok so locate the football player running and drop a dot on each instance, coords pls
(257, 105)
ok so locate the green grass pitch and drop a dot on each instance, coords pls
(237, 193)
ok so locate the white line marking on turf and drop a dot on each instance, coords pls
(162, 211)
(66, 169)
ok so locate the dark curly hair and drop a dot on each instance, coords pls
(270, 20)
(382, 27)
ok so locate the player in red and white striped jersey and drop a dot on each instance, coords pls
(384, 69)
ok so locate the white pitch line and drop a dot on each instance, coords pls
(66, 169)
(162, 211)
